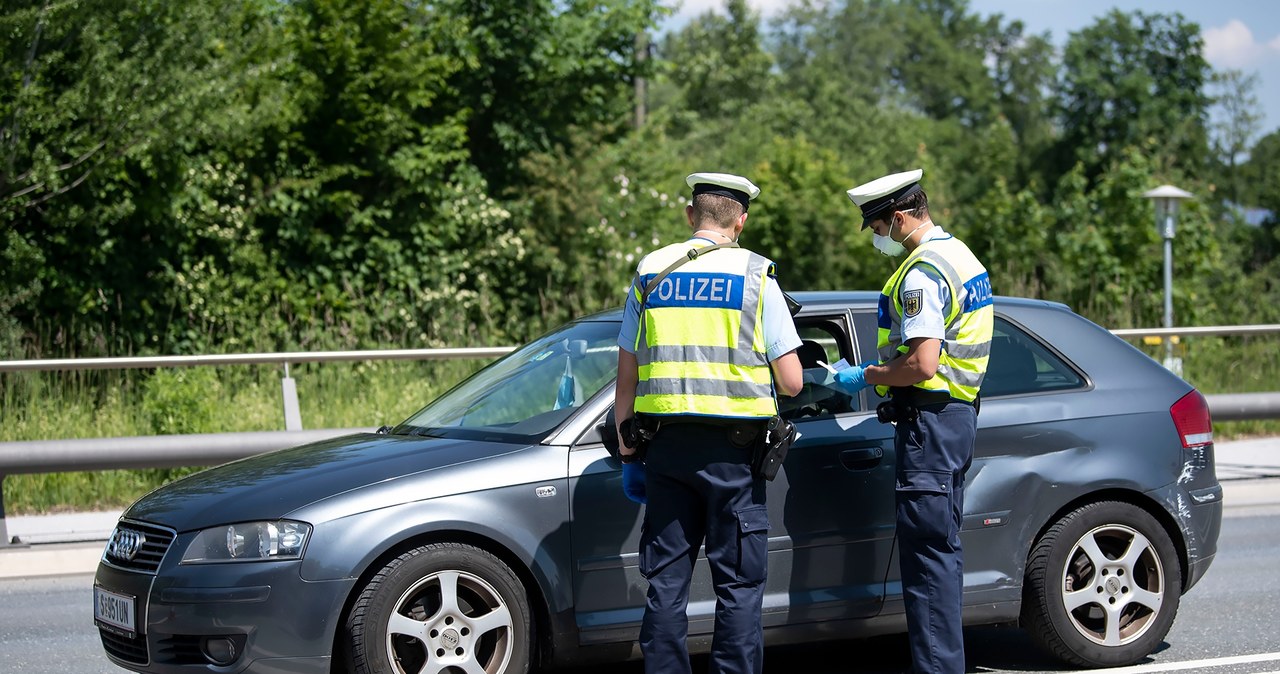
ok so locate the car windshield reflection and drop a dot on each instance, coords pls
(523, 396)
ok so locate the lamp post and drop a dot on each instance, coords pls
(1166, 198)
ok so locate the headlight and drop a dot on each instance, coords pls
(248, 542)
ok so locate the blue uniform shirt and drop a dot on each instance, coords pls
(779, 330)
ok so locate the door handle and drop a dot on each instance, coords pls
(861, 458)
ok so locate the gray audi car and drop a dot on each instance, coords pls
(489, 531)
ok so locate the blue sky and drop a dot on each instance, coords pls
(1238, 34)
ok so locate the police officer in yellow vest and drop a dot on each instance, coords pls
(935, 322)
(701, 359)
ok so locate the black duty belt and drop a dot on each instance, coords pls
(741, 433)
(701, 420)
(921, 398)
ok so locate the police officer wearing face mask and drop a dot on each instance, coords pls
(701, 360)
(935, 322)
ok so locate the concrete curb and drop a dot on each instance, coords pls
(50, 559)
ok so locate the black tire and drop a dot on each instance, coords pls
(444, 607)
(1102, 586)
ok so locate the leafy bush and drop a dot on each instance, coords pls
(182, 400)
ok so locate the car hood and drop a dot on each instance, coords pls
(274, 484)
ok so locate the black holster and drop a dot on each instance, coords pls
(637, 433)
(771, 447)
(896, 410)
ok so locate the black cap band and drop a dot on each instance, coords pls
(871, 208)
(737, 195)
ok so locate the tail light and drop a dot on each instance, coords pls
(1191, 418)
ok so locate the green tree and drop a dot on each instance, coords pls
(1024, 68)
(941, 65)
(1262, 174)
(1261, 188)
(1128, 79)
(718, 63)
(1237, 120)
(541, 68)
(107, 110)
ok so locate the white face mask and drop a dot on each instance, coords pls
(886, 244)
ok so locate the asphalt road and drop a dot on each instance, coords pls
(1228, 624)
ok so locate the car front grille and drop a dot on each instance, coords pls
(137, 546)
(128, 649)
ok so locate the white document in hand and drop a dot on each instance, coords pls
(842, 364)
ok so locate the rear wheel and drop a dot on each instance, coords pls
(1102, 586)
(442, 608)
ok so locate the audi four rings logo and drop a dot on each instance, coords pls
(125, 544)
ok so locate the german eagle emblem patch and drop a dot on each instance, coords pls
(911, 301)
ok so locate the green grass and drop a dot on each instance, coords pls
(63, 405)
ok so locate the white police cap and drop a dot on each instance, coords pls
(735, 187)
(881, 193)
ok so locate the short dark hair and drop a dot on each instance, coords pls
(917, 201)
(721, 210)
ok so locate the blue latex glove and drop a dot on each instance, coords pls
(633, 482)
(853, 379)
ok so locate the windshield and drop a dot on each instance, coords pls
(527, 393)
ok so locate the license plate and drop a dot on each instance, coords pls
(114, 610)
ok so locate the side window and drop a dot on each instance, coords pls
(821, 340)
(1020, 364)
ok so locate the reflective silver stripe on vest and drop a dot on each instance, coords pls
(968, 351)
(693, 353)
(710, 387)
(757, 265)
(961, 377)
(953, 278)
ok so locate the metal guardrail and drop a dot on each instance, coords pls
(151, 451)
(1243, 406)
(1202, 331)
(285, 358)
(155, 451)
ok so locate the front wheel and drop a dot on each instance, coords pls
(1102, 586)
(443, 608)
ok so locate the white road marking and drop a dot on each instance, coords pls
(1192, 664)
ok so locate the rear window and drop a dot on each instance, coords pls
(1021, 364)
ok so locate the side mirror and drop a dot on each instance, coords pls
(609, 433)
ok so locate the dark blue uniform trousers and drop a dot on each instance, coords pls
(700, 489)
(934, 451)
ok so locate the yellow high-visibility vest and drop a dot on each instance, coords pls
(700, 346)
(969, 323)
